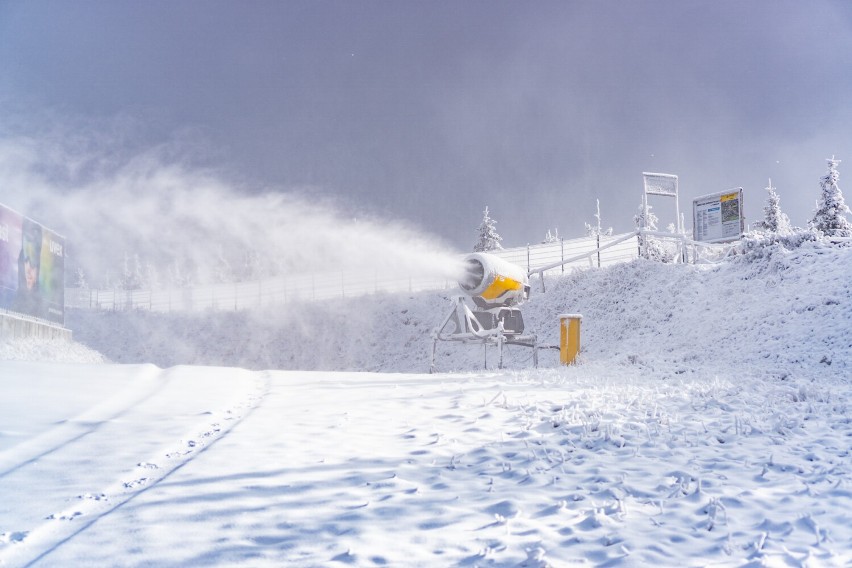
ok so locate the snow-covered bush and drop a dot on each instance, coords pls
(551, 237)
(759, 244)
(650, 247)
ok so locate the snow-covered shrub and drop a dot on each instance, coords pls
(651, 247)
(758, 244)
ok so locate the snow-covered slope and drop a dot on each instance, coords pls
(707, 426)
(775, 311)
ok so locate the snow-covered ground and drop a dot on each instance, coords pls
(710, 423)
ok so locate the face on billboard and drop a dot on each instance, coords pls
(32, 267)
(32, 262)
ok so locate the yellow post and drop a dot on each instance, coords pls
(569, 338)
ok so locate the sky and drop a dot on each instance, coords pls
(423, 113)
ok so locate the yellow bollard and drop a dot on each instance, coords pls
(569, 338)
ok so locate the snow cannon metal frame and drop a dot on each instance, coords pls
(495, 287)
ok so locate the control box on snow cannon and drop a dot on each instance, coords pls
(493, 282)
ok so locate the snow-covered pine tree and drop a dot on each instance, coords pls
(488, 237)
(649, 247)
(181, 273)
(252, 266)
(595, 231)
(222, 271)
(151, 276)
(79, 280)
(131, 274)
(830, 216)
(774, 220)
(649, 223)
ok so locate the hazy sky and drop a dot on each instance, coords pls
(426, 112)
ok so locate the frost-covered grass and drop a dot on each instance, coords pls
(215, 466)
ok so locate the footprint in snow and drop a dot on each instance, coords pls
(93, 497)
(70, 517)
(15, 536)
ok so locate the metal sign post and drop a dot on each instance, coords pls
(662, 184)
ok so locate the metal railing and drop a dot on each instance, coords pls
(684, 250)
(586, 252)
(253, 294)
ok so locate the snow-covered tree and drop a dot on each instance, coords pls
(830, 216)
(151, 276)
(79, 280)
(597, 230)
(488, 237)
(642, 221)
(253, 266)
(222, 271)
(181, 273)
(551, 237)
(774, 221)
(131, 274)
(649, 247)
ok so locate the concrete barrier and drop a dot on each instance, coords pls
(13, 326)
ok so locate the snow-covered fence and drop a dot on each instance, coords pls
(241, 295)
(547, 258)
(671, 247)
(625, 247)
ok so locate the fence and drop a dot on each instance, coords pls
(339, 285)
(622, 248)
(242, 295)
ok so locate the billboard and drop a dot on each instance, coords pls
(32, 268)
(718, 218)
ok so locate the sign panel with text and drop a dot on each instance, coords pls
(718, 218)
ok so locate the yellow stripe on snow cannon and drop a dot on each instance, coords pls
(493, 282)
(501, 285)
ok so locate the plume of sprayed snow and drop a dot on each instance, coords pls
(155, 206)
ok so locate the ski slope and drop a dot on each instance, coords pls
(708, 424)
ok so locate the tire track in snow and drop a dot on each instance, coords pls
(149, 383)
(27, 548)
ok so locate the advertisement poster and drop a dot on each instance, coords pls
(32, 268)
(718, 218)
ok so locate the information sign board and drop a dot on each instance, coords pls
(718, 218)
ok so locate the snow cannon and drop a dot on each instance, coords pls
(496, 287)
(493, 282)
